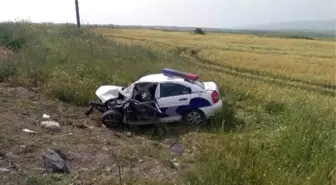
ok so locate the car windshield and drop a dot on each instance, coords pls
(197, 82)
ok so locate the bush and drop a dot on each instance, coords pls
(13, 35)
(6, 70)
(274, 107)
(199, 31)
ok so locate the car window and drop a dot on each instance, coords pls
(172, 89)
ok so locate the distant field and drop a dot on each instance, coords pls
(309, 61)
(328, 35)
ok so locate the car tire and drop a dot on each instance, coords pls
(194, 117)
(111, 118)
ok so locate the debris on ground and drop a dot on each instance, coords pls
(129, 134)
(45, 116)
(52, 125)
(11, 155)
(29, 131)
(4, 170)
(174, 164)
(170, 141)
(173, 147)
(83, 125)
(177, 149)
(53, 162)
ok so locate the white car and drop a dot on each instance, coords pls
(179, 95)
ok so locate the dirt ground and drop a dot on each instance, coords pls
(94, 153)
(4, 52)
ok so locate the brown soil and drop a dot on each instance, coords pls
(4, 52)
(93, 154)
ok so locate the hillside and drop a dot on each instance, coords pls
(270, 31)
(328, 26)
(277, 125)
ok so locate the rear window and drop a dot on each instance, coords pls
(197, 82)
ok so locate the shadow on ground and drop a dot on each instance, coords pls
(225, 121)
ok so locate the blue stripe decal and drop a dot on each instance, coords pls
(195, 103)
(199, 103)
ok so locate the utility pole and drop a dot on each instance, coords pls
(77, 14)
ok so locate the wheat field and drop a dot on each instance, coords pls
(280, 65)
(306, 60)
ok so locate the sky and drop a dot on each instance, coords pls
(201, 13)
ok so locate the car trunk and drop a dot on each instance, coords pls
(210, 86)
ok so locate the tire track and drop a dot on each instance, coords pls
(194, 54)
(271, 80)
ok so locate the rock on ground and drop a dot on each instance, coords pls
(53, 162)
(52, 125)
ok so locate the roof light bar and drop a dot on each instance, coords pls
(172, 72)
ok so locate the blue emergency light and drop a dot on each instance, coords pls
(172, 72)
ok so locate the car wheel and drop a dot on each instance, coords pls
(195, 117)
(111, 118)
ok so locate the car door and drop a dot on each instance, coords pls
(172, 98)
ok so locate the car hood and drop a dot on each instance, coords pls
(107, 92)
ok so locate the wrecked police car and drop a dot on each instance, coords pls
(169, 96)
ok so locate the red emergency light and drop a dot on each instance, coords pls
(172, 72)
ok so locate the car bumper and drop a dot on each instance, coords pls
(211, 111)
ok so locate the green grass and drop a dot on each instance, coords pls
(296, 149)
(70, 64)
(281, 135)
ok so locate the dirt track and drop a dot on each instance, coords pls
(90, 151)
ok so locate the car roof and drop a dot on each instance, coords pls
(157, 78)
